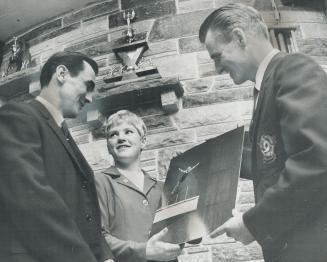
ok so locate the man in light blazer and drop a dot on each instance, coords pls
(288, 134)
(49, 207)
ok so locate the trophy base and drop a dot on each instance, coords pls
(113, 79)
(146, 71)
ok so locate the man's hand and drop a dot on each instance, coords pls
(157, 249)
(235, 228)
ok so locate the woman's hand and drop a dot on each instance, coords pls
(158, 250)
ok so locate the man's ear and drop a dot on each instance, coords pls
(239, 37)
(61, 73)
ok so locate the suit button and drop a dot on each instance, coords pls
(84, 186)
(88, 217)
(145, 202)
(268, 240)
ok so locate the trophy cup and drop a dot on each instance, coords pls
(20, 57)
(134, 66)
(130, 32)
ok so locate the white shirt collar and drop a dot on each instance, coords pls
(54, 112)
(263, 67)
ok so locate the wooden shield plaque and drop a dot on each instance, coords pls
(200, 190)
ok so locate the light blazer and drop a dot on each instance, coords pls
(49, 207)
(289, 161)
(127, 213)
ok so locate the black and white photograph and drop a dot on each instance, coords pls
(163, 130)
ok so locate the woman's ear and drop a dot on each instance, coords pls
(143, 142)
(239, 37)
(109, 148)
(61, 73)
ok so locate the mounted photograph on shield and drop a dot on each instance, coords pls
(200, 189)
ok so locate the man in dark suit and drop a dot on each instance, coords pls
(49, 207)
(288, 134)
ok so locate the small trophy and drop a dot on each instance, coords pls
(20, 57)
(130, 32)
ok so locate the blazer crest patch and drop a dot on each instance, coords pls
(267, 145)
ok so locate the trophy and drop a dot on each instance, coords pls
(130, 53)
(20, 57)
(130, 32)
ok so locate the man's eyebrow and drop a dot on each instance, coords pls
(89, 85)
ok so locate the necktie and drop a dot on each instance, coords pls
(74, 147)
(255, 98)
(65, 130)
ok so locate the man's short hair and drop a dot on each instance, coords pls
(72, 60)
(231, 16)
(125, 116)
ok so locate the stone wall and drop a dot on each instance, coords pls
(211, 104)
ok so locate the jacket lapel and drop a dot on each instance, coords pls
(148, 181)
(66, 144)
(126, 182)
(54, 127)
(258, 110)
(120, 179)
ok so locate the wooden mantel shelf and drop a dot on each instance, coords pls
(141, 85)
(109, 97)
(125, 93)
(18, 83)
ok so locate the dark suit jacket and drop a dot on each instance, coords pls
(49, 207)
(289, 161)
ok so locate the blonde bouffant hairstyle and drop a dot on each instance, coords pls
(125, 116)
